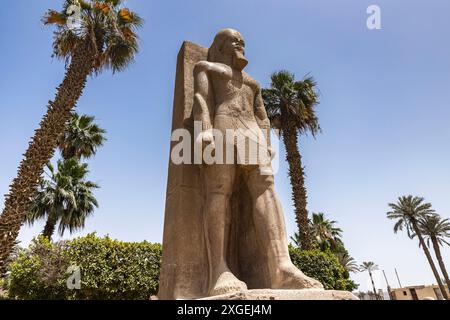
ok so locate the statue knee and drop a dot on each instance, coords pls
(221, 192)
(221, 189)
(267, 181)
(264, 184)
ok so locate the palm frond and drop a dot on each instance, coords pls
(408, 211)
(54, 17)
(104, 25)
(67, 196)
(288, 102)
(369, 266)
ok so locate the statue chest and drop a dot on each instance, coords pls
(233, 90)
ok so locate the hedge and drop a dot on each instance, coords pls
(112, 269)
(323, 266)
(109, 269)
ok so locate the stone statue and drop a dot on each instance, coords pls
(224, 228)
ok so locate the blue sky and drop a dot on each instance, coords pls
(384, 111)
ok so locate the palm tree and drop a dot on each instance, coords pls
(290, 106)
(65, 198)
(103, 37)
(436, 230)
(325, 234)
(361, 295)
(347, 262)
(408, 211)
(81, 138)
(296, 240)
(370, 267)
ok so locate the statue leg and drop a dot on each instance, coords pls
(219, 181)
(271, 231)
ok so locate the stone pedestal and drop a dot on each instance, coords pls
(272, 294)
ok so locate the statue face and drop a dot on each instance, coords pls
(232, 43)
(234, 46)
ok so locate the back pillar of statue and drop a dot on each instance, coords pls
(184, 268)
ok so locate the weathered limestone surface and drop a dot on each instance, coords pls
(271, 294)
(184, 270)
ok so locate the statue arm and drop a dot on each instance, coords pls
(261, 115)
(202, 109)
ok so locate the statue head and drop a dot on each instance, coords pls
(228, 48)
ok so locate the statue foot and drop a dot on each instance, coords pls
(226, 283)
(289, 277)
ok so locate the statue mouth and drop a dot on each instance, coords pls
(239, 60)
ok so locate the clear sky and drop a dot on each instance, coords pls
(384, 111)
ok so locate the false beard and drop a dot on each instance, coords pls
(239, 60)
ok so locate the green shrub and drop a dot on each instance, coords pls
(112, 269)
(39, 272)
(109, 269)
(323, 266)
(3, 289)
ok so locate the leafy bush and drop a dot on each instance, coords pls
(110, 269)
(39, 272)
(323, 266)
(3, 289)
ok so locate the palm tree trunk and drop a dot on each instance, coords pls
(49, 227)
(437, 251)
(297, 177)
(430, 259)
(41, 149)
(373, 286)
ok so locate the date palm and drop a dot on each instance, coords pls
(90, 36)
(436, 231)
(370, 267)
(347, 262)
(325, 234)
(408, 211)
(65, 198)
(290, 106)
(81, 138)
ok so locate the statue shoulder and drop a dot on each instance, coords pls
(252, 82)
